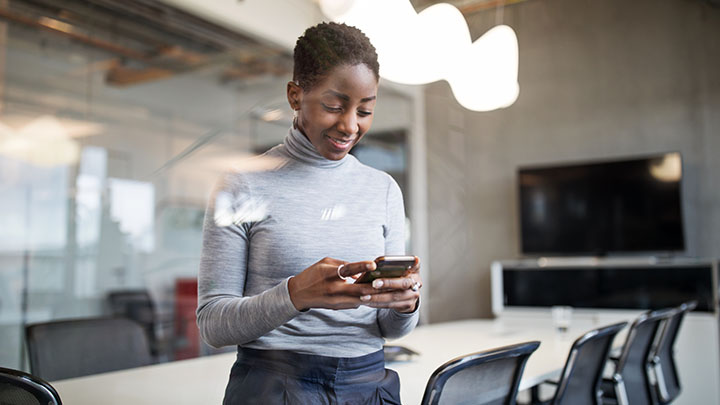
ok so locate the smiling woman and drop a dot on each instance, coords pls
(279, 285)
(338, 111)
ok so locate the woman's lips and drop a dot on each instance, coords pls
(340, 144)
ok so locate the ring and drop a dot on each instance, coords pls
(415, 286)
(339, 275)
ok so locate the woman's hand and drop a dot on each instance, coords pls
(401, 293)
(319, 286)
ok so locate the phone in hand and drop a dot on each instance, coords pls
(388, 267)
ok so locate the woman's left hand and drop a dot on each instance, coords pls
(400, 293)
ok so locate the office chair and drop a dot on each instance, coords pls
(136, 305)
(139, 306)
(581, 377)
(487, 378)
(662, 361)
(18, 388)
(75, 348)
(630, 383)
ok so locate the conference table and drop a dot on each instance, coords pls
(202, 380)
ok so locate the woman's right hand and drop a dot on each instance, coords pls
(319, 286)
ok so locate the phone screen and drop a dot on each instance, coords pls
(388, 267)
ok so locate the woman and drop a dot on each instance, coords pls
(275, 280)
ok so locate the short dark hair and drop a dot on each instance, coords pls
(329, 45)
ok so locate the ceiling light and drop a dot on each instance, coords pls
(272, 115)
(43, 142)
(435, 44)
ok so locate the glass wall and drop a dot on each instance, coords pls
(108, 157)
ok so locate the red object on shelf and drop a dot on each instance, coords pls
(187, 335)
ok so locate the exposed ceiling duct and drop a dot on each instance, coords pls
(148, 40)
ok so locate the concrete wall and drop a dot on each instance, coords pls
(598, 79)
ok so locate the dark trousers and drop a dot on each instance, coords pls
(284, 377)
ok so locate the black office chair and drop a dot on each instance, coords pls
(486, 378)
(630, 383)
(136, 305)
(75, 348)
(139, 306)
(582, 375)
(662, 361)
(18, 388)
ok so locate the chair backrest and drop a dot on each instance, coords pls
(491, 377)
(580, 380)
(136, 305)
(667, 386)
(74, 348)
(19, 388)
(632, 367)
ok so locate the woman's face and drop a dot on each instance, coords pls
(337, 111)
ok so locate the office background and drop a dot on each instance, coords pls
(599, 79)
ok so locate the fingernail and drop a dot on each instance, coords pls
(377, 283)
(365, 298)
(368, 266)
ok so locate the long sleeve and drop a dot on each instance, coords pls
(394, 324)
(224, 315)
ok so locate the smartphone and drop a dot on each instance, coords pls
(388, 267)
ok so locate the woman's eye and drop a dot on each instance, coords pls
(332, 109)
(364, 113)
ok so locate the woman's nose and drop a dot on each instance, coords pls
(348, 123)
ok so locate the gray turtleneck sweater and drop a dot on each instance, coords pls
(280, 215)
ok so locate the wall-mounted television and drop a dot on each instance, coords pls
(597, 208)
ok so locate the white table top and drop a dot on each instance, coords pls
(203, 380)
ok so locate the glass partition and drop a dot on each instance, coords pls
(111, 140)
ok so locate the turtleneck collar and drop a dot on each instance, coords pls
(300, 148)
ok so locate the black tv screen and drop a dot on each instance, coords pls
(597, 208)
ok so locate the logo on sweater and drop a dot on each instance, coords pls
(333, 213)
